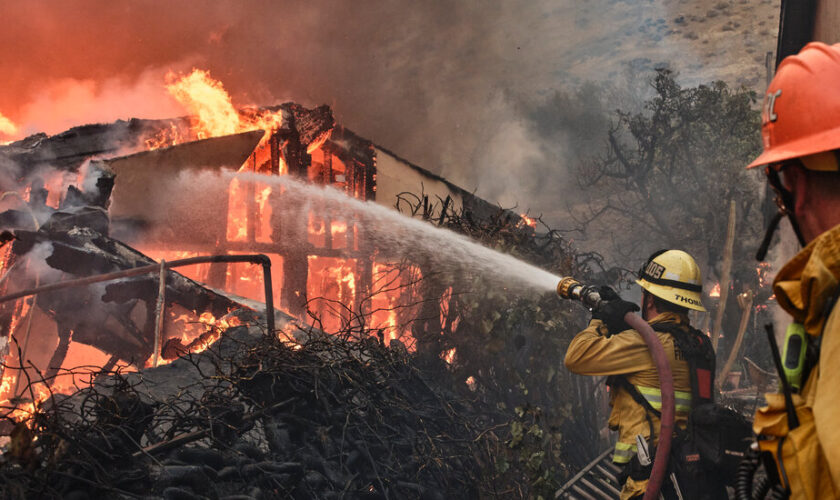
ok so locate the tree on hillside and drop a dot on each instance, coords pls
(668, 173)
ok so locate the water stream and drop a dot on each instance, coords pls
(406, 237)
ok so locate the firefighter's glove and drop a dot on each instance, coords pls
(612, 311)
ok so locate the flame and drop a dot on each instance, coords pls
(197, 272)
(331, 281)
(286, 335)
(448, 356)
(212, 114)
(316, 230)
(7, 383)
(56, 183)
(715, 291)
(764, 276)
(10, 374)
(166, 137)
(386, 303)
(252, 119)
(192, 334)
(20, 395)
(237, 224)
(82, 362)
(264, 229)
(338, 231)
(7, 127)
(215, 326)
(528, 221)
(394, 302)
(207, 100)
(445, 303)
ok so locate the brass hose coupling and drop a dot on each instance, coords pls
(564, 288)
(572, 289)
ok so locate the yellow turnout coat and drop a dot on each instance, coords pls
(591, 352)
(805, 287)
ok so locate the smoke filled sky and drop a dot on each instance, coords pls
(441, 83)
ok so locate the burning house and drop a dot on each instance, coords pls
(107, 336)
(100, 198)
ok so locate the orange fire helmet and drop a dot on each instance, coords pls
(801, 112)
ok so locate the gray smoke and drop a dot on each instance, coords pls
(447, 84)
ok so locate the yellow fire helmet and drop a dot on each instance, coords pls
(673, 276)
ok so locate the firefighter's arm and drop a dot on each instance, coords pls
(593, 353)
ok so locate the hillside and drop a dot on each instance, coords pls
(702, 39)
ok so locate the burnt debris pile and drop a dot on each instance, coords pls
(254, 417)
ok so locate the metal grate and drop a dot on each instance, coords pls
(597, 481)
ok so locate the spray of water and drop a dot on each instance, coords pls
(397, 235)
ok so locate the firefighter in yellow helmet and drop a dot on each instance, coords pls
(671, 285)
(801, 159)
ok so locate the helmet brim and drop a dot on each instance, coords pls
(827, 140)
(682, 298)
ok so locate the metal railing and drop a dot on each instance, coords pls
(261, 259)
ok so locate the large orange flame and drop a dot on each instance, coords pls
(207, 100)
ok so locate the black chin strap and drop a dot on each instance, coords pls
(771, 230)
(785, 203)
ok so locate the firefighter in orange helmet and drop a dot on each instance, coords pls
(801, 158)
(671, 285)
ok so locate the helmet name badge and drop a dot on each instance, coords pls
(769, 112)
(654, 270)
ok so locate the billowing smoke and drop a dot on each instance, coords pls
(69, 102)
(446, 84)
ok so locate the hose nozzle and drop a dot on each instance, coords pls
(572, 289)
(564, 287)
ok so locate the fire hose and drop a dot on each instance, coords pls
(570, 288)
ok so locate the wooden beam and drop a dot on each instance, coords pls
(725, 271)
